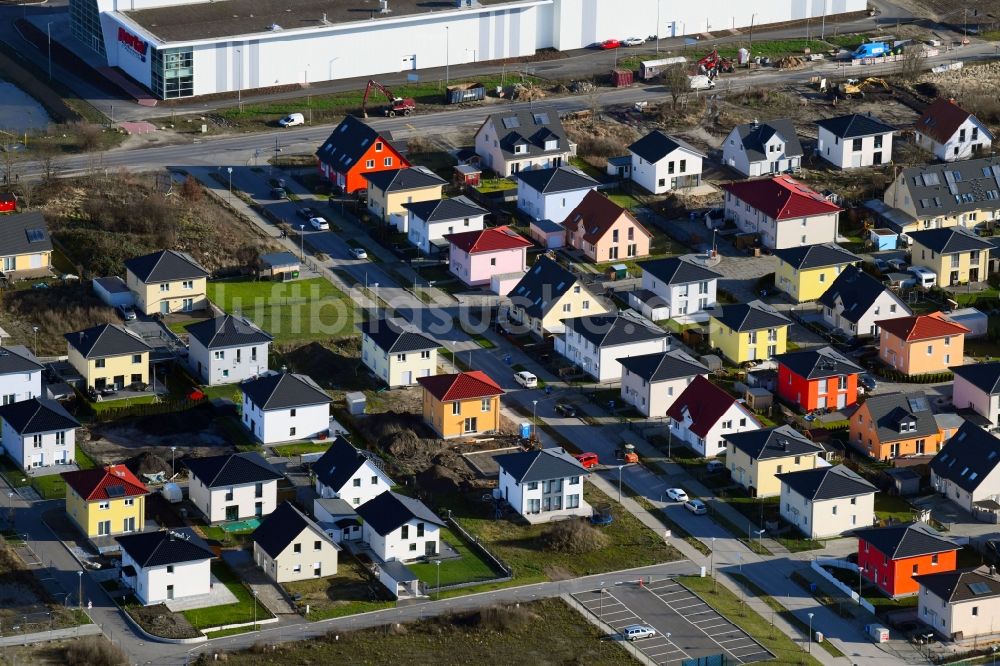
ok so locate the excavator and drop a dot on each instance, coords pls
(854, 88)
(713, 64)
(396, 105)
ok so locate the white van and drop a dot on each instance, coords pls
(292, 119)
(700, 82)
(926, 278)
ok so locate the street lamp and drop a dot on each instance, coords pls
(239, 80)
(34, 332)
(712, 561)
(760, 539)
(620, 468)
(657, 26)
(230, 170)
(602, 603)
(750, 48)
(255, 610)
(302, 245)
(79, 575)
(447, 56)
(740, 555)
(810, 633)
(534, 422)
(438, 567)
(173, 455)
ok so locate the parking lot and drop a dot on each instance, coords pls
(686, 626)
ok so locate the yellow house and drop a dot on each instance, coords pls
(756, 456)
(389, 190)
(106, 501)
(942, 195)
(955, 255)
(25, 246)
(748, 331)
(548, 294)
(462, 405)
(805, 273)
(109, 356)
(167, 281)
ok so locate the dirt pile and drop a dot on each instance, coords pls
(148, 462)
(525, 93)
(790, 62)
(574, 536)
(581, 87)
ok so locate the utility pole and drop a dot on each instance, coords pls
(447, 56)
(657, 26)
(750, 49)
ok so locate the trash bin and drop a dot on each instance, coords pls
(812, 588)
(819, 636)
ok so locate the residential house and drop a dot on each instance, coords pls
(397, 354)
(805, 272)
(475, 257)
(856, 300)
(890, 557)
(755, 458)
(854, 141)
(675, 288)
(951, 132)
(604, 231)
(389, 190)
(167, 281)
(397, 527)
(284, 407)
(105, 502)
(38, 433)
(510, 142)
(20, 375)
(703, 415)
(288, 546)
(553, 193)
(921, 344)
(977, 387)
(818, 378)
(761, 149)
(227, 349)
(826, 501)
(661, 163)
(354, 150)
(25, 246)
(166, 565)
(652, 382)
(960, 605)
(461, 405)
(965, 470)
(337, 518)
(596, 343)
(431, 221)
(347, 473)
(543, 484)
(782, 211)
(547, 295)
(233, 487)
(109, 356)
(956, 255)
(890, 425)
(748, 331)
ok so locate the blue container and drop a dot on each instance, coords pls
(526, 431)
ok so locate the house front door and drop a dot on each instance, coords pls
(258, 509)
(821, 402)
(406, 377)
(119, 382)
(841, 401)
(973, 275)
(430, 549)
(170, 592)
(232, 512)
(164, 307)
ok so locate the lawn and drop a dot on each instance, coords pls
(468, 568)
(625, 200)
(768, 508)
(890, 506)
(106, 405)
(300, 448)
(241, 611)
(52, 486)
(988, 295)
(290, 311)
(871, 593)
(588, 168)
(489, 185)
(15, 477)
(350, 592)
(775, 48)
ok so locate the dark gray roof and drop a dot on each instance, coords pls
(961, 585)
(24, 233)
(282, 390)
(818, 363)
(751, 316)
(826, 483)
(779, 442)
(279, 259)
(561, 179)
(952, 187)
(165, 266)
(909, 540)
(347, 144)
(676, 270)
(951, 240)
(854, 125)
(394, 339)
(612, 329)
(112, 285)
(389, 511)
(815, 256)
(16, 360)
(338, 464)
(548, 226)
(663, 365)
(37, 415)
(968, 457)
(540, 465)
(400, 180)
(106, 340)
(398, 571)
(232, 470)
(755, 135)
(656, 145)
(157, 549)
(984, 376)
(227, 331)
(541, 286)
(858, 292)
(445, 209)
(282, 526)
(530, 128)
(892, 412)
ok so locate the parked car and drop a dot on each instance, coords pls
(898, 265)
(634, 632)
(926, 278)
(588, 459)
(278, 193)
(696, 506)
(608, 44)
(358, 252)
(565, 409)
(306, 213)
(292, 119)
(882, 266)
(319, 224)
(715, 466)
(868, 382)
(526, 379)
(677, 494)
(126, 312)
(633, 41)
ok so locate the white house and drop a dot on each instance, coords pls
(856, 300)
(165, 565)
(284, 407)
(977, 387)
(350, 474)
(675, 288)
(552, 194)
(288, 546)
(431, 221)
(966, 469)
(233, 487)
(227, 349)
(703, 413)
(762, 149)
(20, 375)
(960, 604)
(661, 163)
(396, 354)
(826, 501)
(782, 211)
(38, 433)
(510, 142)
(397, 527)
(597, 342)
(854, 141)
(652, 382)
(951, 132)
(543, 485)
(338, 519)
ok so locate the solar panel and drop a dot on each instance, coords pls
(931, 179)
(541, 118)
(918, 404)
(979, 588)
(35, 235)
(115, 491)
(511, 122)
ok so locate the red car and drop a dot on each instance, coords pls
(588, 460)
(609, 44)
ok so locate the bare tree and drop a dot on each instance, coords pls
(912, 64)
(9, 148)
(675, 80)
(47, 155)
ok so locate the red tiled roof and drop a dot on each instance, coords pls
(781, 197)
(941, 119)
(597, 214)
(463, 386)
(922, 327)
(93, 484)
(488, 240)
(705, 402)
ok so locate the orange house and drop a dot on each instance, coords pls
(605, 231)
(921, 344)
(354, 150)
(461, 405)
(890, 557)
(895, 424)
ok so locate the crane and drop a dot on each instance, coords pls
(396, 104)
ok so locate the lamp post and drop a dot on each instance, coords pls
(230, 171)
(79, 575)
(534, 420)
(10, 505)
(302, 247)
(740, 555)
(760, 539)
(34, 333)
(173, 455)
(712, 562)
(657, 26)
(822, 29)
(438, 567)
(48, 29)
(620, 468)
(810, 633)
(239, 80)
(255, 610)
(602, 603)
(447, 55)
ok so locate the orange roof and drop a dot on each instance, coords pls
(922, 327)
(101, 483)
(463, 386)
(488, 240)
(597, 214)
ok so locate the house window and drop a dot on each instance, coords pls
(493, 261)
(374, 480)
(670, 167)
(291, 432)
(404, 532)
(378, 146)
(137, 358)
(420, 530)
(572, 501)
(258, 490)
(103, 506)
(878, 141)
(975, 610)
(573, 480)
(856, 145)
(934, 560)
(487, 404)
(854, 501)
(357, 483)
(835, 509)
(36, 441)
(129, 501)
(471, 425)
(170, 568)
(297, 548)
(585, 305)
(779, 469)
(370, 164)
(456, 408)
(533, 485)
(413, 547)
(99, 363)
(229, 495)
(317, 545)
(930, 349)
(253, 353)
(401, 358)
(387, 162)
(425, 354)
(566, 307)
(219, 355)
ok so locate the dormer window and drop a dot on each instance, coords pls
(520, 149)
(551, 144)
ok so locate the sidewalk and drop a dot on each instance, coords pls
(53, 635)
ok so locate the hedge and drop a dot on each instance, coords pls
(931, 378)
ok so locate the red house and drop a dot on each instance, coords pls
(8, 202)
(891, 556)
(817, 379)
(353, 150)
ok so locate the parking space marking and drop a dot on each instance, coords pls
(655, 647)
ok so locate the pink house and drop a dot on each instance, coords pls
(476, 256)
(605, 231)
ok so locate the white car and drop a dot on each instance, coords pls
(319, 224)
(677, 494)
(634, 632)
(358, 252)
(633, 41)
(696, 506)
(526, 379)
(292, 119)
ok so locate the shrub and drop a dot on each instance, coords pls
(574, 536)
(504, 618)
(94, 651)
